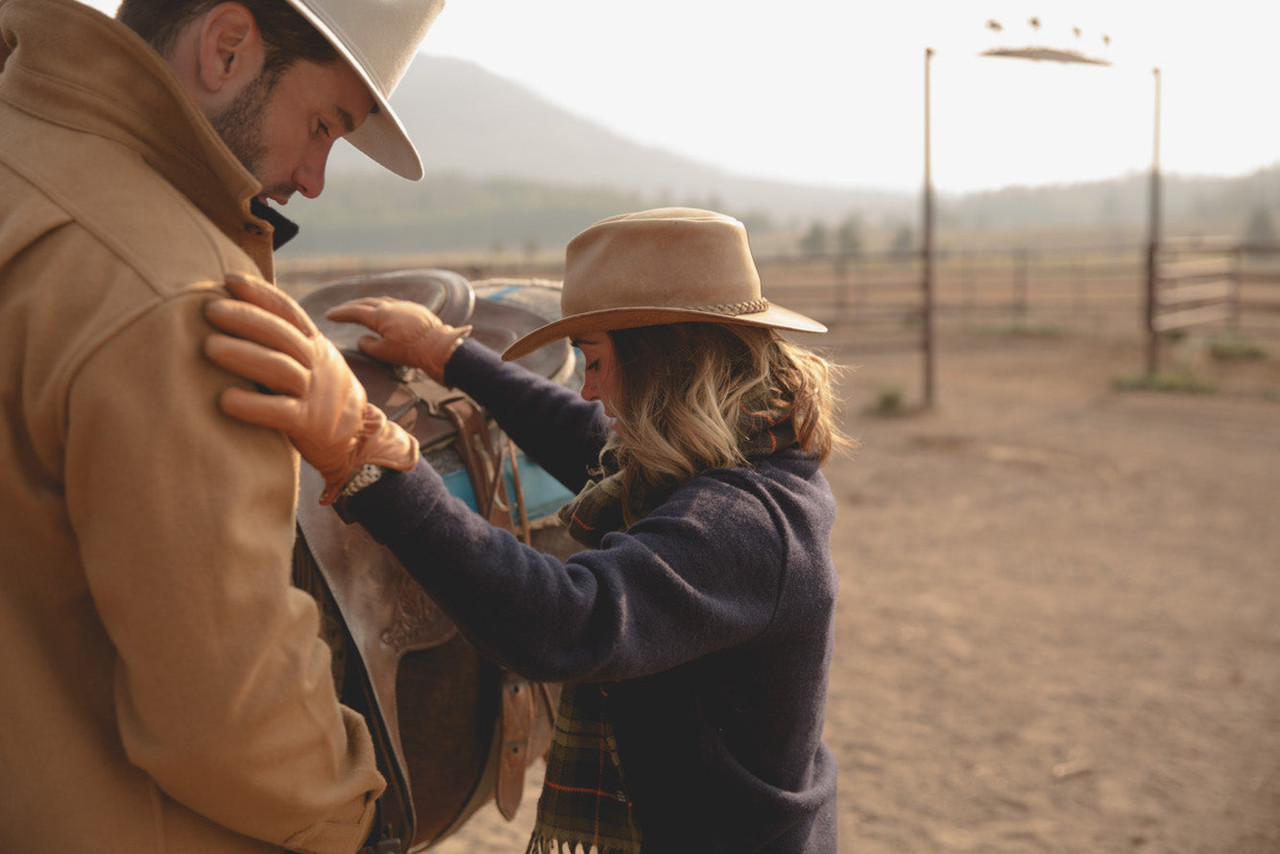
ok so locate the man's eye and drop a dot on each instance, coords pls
(322, 128)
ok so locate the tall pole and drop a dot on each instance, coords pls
(927, 245)
(1153, 237)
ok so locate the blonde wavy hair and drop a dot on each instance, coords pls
(680, 386)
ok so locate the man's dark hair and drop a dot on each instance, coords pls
(288, 36)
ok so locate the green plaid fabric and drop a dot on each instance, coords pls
(598, 508)
(584, 802)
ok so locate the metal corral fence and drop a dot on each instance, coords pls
(896, 302)
(882, 297)
(1218, 284)
(882, 293)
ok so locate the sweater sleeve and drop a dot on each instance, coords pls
(185, 525)
(551, 423)
(699, 574)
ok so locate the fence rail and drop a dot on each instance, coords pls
(882, 293)
(883, 297)
(869, 289)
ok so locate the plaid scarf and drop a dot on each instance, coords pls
(598, 508)
(584, 802)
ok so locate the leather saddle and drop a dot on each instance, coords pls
(452, 730)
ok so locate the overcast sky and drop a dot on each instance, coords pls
(832, 91)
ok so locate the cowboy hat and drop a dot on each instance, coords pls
(378, 41)
(667, 265)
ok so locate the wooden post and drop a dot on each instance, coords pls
(927, 248)
(1153, 240)
(1020, 264)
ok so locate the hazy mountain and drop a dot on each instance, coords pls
(508, 169)
(467, 120)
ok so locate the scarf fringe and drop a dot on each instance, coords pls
(540, 844)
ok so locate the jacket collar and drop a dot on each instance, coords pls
(69, 64)
(283, 228)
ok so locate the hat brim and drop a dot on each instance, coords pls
(607, 319)
(382, 137)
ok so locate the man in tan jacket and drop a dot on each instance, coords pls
(164, 687)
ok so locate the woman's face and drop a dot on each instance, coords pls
(600, 381)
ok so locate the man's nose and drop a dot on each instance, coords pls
(309, 176)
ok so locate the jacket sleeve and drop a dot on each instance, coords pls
(701, 573)
(551, 423)
(185, 523)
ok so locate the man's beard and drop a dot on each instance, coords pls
(240, 125)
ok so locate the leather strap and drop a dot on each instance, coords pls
(483, 459)
(528, 709)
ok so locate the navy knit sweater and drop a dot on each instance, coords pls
(713, 616)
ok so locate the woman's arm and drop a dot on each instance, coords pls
(550, 422)
(699, 574)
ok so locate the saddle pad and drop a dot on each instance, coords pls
(543, 495)
(498, 325)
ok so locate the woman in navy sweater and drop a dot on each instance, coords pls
(694, 633)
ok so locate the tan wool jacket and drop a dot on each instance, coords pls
(164, 687)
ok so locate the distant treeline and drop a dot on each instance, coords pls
(370, 214)
(1120, 201)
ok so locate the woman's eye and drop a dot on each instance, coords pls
(591, 366)
(322, 128)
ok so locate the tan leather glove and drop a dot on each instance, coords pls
(412, 335)
(319, 403)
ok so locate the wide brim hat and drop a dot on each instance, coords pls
(667, 265)
(378, 40)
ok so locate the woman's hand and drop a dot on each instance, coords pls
(318, 401)
(412, 335)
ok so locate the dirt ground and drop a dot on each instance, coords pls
(1059, 621)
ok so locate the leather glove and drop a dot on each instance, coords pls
(412, 335)
(318, 401)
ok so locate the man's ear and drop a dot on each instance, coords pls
(230, 49)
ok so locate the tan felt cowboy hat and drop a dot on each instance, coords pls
(668, 265)
(378, 40)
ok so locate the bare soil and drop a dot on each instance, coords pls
(1059, 623)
